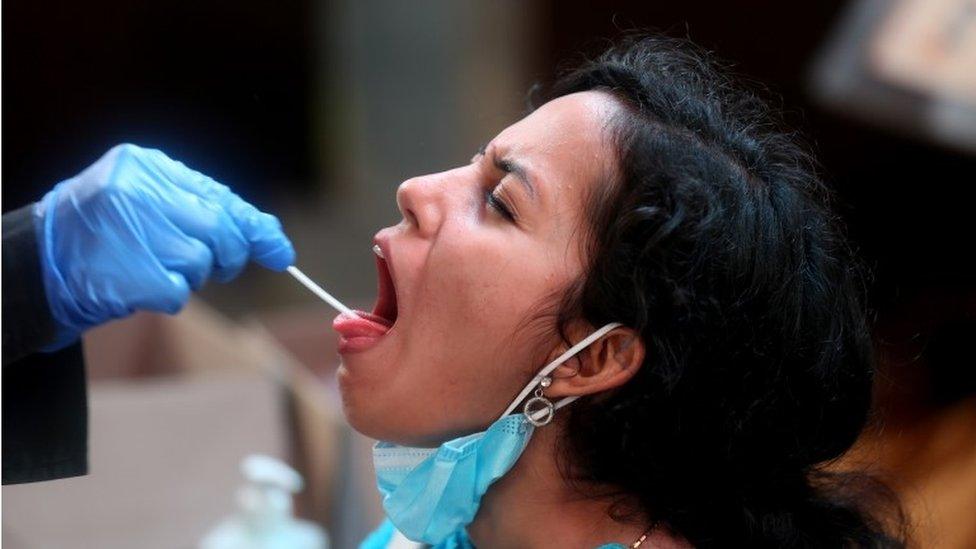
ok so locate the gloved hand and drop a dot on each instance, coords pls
(138, 231)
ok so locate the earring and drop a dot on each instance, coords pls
(539, 404)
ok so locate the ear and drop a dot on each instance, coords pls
(607, 363)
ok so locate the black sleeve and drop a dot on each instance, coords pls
(27, 323)
(45, 406)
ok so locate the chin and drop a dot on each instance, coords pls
(370, 427)
(350, 408)
(359, 405)
(376, 425)
(362, 417)
(358, 421)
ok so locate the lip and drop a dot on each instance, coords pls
(362, 332)
(383, 242)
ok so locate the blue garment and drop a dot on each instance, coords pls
(381, 537)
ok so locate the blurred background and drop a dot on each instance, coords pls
(316, 111)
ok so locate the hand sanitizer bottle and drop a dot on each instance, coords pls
(264, 519)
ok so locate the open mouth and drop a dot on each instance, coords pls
(364, 330)
(385, 309)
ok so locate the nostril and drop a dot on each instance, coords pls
(404, 203)
(411, 218)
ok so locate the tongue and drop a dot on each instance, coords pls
(364, 325)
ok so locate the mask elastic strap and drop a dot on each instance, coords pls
(586, 342)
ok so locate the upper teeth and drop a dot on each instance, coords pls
(377, 250)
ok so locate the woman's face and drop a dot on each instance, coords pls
(481, 251)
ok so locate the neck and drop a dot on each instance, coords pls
(533, 506)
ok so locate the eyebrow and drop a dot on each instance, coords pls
(512, 167)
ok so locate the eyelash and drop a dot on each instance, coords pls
(493, 201)
(498, 204)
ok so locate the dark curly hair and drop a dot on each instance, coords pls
(718, 245)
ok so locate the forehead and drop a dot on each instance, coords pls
(564, 142)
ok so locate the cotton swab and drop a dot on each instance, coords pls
(318, 291)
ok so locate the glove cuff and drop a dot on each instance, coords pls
(59, 297)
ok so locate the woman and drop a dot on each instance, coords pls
(650, 205)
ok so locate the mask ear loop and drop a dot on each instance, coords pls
(544, 372)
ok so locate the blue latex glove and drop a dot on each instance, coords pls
(138, 231)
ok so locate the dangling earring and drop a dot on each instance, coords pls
(540, 404)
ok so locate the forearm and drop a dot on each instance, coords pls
(27, 322)
(45, 418)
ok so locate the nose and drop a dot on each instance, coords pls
(421, 204)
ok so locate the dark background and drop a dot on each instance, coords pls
(220, 84)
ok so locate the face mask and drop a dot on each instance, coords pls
(429, 493)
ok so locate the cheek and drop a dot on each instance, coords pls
(491, 284)
(467, 352)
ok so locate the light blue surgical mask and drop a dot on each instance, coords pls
(429, 493)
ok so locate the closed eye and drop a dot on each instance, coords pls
(497, 204)
(492, 199)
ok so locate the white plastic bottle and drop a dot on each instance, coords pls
(264, 519)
